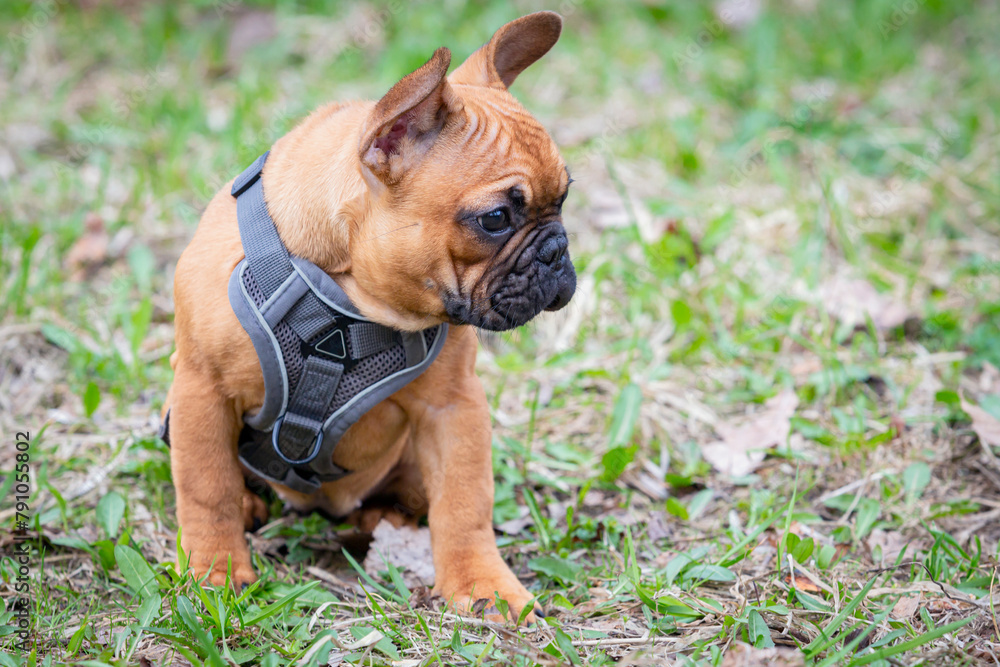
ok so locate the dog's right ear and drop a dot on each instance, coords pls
(405, 122)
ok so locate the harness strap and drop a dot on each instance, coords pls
(368, 339)
(266, 254)
(297, 436)
(308, 317)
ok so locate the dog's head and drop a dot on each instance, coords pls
(462, 221)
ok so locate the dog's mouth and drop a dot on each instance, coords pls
(534, 276)
(519, 298)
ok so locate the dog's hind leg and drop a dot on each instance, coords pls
(254, 510)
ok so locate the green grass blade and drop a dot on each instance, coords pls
(910, 644)
(274, 608)
(827, 632)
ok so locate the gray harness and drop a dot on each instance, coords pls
(324, 364)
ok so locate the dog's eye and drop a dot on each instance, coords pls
(495, 221)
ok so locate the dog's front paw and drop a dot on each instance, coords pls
(219, 561)
(474, 591)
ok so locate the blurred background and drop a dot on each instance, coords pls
(784, 211)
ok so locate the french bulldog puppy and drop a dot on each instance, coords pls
(441, 202)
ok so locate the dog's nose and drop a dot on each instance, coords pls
(553, 249)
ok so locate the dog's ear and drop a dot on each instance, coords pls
(406, 121)
(510, 51)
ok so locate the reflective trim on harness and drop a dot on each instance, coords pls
(324, 363)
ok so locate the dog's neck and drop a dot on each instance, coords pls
(307, 195)
(315, 198)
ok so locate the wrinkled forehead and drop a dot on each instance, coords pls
(513, 148)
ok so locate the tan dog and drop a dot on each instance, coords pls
(439, 203)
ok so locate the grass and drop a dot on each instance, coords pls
(735, 179)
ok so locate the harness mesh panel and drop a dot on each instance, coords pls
(367, 372)
(430, 335)
(288, 341)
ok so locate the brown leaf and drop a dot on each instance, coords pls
(942, 605)
(906, 607)
(90, 250)
(806, 367)
(599, 597)
(986, 426)
(743, 447)
(408, 548)
(852, 300)
(802, 583)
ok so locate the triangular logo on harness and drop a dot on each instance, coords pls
(333, 345)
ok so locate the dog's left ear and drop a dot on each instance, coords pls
(406, 121)
(510, 51)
